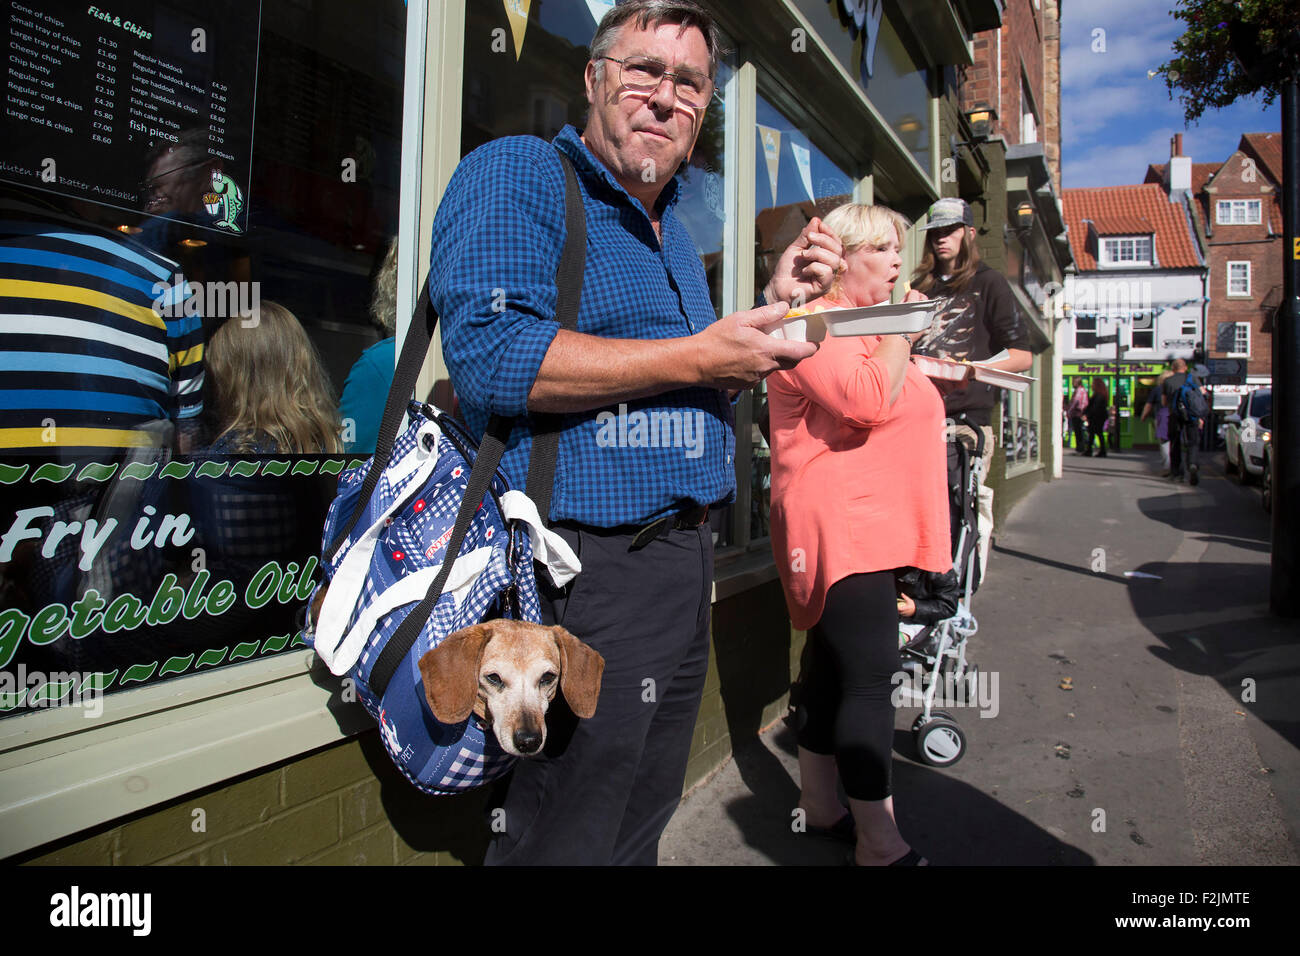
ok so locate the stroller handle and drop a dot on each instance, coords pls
(962, 419)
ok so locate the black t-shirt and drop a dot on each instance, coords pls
(1171, 386)
(979, 322)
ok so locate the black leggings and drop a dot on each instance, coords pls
(853, 654)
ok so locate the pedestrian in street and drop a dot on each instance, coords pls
(648, 342)
(859, 489)
(1098, 415)
(1154, 407)
(1184, 433)
(1078, 406)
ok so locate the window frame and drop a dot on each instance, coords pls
(1236, 339)
(1094, 332)
(1111, 249)
(1228, 292)
(1245, 205)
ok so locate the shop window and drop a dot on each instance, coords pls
(880, 56)
(1020, 415)
(171, 432)
(794, 181)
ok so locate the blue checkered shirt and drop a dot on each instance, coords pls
(497, 240)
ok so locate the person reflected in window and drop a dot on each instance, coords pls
(269, 391)
(361, 408)
(101, 342)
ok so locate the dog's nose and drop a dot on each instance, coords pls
(527, 741)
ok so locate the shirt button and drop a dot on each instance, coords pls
(728, 459)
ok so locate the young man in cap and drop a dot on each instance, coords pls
(980, 320)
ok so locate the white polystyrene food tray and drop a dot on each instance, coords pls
(1012, 381)
(941, 368)
(884, 319)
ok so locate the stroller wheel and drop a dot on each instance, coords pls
(940, 742)
(921, 720)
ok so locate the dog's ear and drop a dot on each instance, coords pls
(450, 673)
(580, 672)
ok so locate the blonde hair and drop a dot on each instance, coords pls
(858, 225)
(267, 380)
(383, 304)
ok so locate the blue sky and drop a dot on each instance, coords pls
(1115, 120)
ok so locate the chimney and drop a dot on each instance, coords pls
(1179, 181)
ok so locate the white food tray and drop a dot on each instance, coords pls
(1012, 381)
(944, 369)
(948, 370)
(884, 319)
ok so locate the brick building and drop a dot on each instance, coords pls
(1138, 298)
(1237, 211)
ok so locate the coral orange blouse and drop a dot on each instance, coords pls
(857, 484)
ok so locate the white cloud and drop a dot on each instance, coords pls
(1109, 164)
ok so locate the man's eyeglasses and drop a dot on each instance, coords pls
(644, 74)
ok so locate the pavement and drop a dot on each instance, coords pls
(1178, 742)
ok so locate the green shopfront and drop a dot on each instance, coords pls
(1129, 384)
(160, 703)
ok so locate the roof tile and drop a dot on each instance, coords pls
(1130, 210)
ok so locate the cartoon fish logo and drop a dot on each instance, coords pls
(224, 201)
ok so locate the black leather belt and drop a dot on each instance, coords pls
(682, 521)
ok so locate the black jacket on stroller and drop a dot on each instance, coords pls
(935, 594)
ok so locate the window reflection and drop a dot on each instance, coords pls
(793, 182)
(192, 289)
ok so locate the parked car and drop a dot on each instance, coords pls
(1245, 438)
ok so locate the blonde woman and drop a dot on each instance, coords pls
(269, 392)
(858, 489)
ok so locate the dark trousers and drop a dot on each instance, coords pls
(1184, 438)
(604, 788)
(1080, 433)
(1097, 430)
(848, 686)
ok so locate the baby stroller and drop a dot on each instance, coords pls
(934, 655)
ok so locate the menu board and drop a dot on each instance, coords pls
(141, 105)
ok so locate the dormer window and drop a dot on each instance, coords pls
(1126, 250)
(1237, 212)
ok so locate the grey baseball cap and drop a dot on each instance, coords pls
(949, 212)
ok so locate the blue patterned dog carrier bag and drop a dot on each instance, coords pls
(392, 593)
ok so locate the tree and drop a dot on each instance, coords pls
(1230, 50)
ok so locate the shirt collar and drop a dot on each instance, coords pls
(585, 162)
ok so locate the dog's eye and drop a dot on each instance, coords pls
(547, 680)
(494, 680)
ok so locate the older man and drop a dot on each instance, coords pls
(647, 347)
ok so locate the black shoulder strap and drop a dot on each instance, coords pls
(546, 427)
(569, 279)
